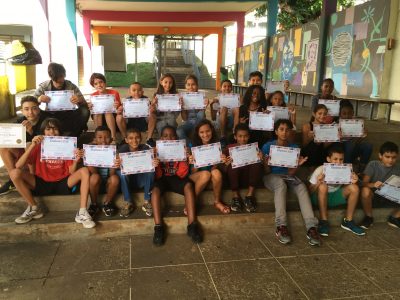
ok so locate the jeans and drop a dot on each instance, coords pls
(353, 150)
(279, 187)
(185, 130)
(135, 181)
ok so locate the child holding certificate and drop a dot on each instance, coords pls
(253, 101)
(247, 176)
(192, 117)
(204, 135)
(375, 174)
(330, 195)
(102, 180)
(141, 123)
(135, 181)
(277, 98)
(314, 151)
(98, 81)
(173, 176)
(278, 179)
(166, 85)
(327, 88)
(51, 177)
(356, 149)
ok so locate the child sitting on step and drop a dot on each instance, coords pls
(102, 180)
(50, 177)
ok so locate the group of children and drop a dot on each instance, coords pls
(33, 176)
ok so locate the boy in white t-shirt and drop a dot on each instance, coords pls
(330, 195)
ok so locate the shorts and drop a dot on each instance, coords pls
(335, 198)
(138, 123)
(172, 184)
(43, 188)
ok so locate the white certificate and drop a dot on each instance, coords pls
(58, 147)
(171, 150)
(102, 104)
(60, 100)
(168, 102)
(99, 155)
(326, 133)
(261, 121)
(279, 112)
(135, 108)
(137, 162)
(244, 155)
(333, 106)
(337, 173)
(12, 135)
(229, 100)
(273, 86)
(193, 100)
(287, 157)
(207, 155)
(352, 127)
(391, 189)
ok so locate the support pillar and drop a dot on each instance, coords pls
(272, 17)
(219, 59)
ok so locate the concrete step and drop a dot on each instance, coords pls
(61, 225)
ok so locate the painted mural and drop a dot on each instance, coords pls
(355, 48)
(251, 58)
(293, 56)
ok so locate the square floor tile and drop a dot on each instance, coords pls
(180, 282)
(178, 249)
(26, 260)
(327, 276)
(232, 246)
(21, 289)
(388, 234)
(260, 279)
(86, 255)
(383, 267)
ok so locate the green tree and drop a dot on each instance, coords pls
(295, 12)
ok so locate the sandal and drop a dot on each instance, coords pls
(222, 207)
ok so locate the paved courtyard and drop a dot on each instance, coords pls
(244, 264)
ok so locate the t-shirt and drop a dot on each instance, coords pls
(35, 128)
(50, 170)
(378, 172)
(48, 86)
(314, 180)
(125, 148)
(276, 170)
(117, 98)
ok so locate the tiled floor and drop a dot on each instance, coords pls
(241, 265)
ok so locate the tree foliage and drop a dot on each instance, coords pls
(295, 12)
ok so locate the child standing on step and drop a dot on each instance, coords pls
(330, 195)
(326, 92)
(173, 176)
(205, 134)
(135, 181)
(279, 179)
(102, 180)
(50, 177)
(243, 177)
(375, 174)
(255, 78)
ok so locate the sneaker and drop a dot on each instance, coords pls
(283, 235)
(367, 222)
(93, 209)
(85, 219)
(7, 187)
(147, 208)
(108, 209)
(29, 214)
(314, 239)
(126, 210)
(250, 203)
(323, 227)
(159, 235)
(193, 231)
(350, 226)
(236, 204)
(151, 143)
(394, 222)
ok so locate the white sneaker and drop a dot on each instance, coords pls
(85, 219)
(29, 214)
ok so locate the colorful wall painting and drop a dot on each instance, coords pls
(251, 58)
(356, 45)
